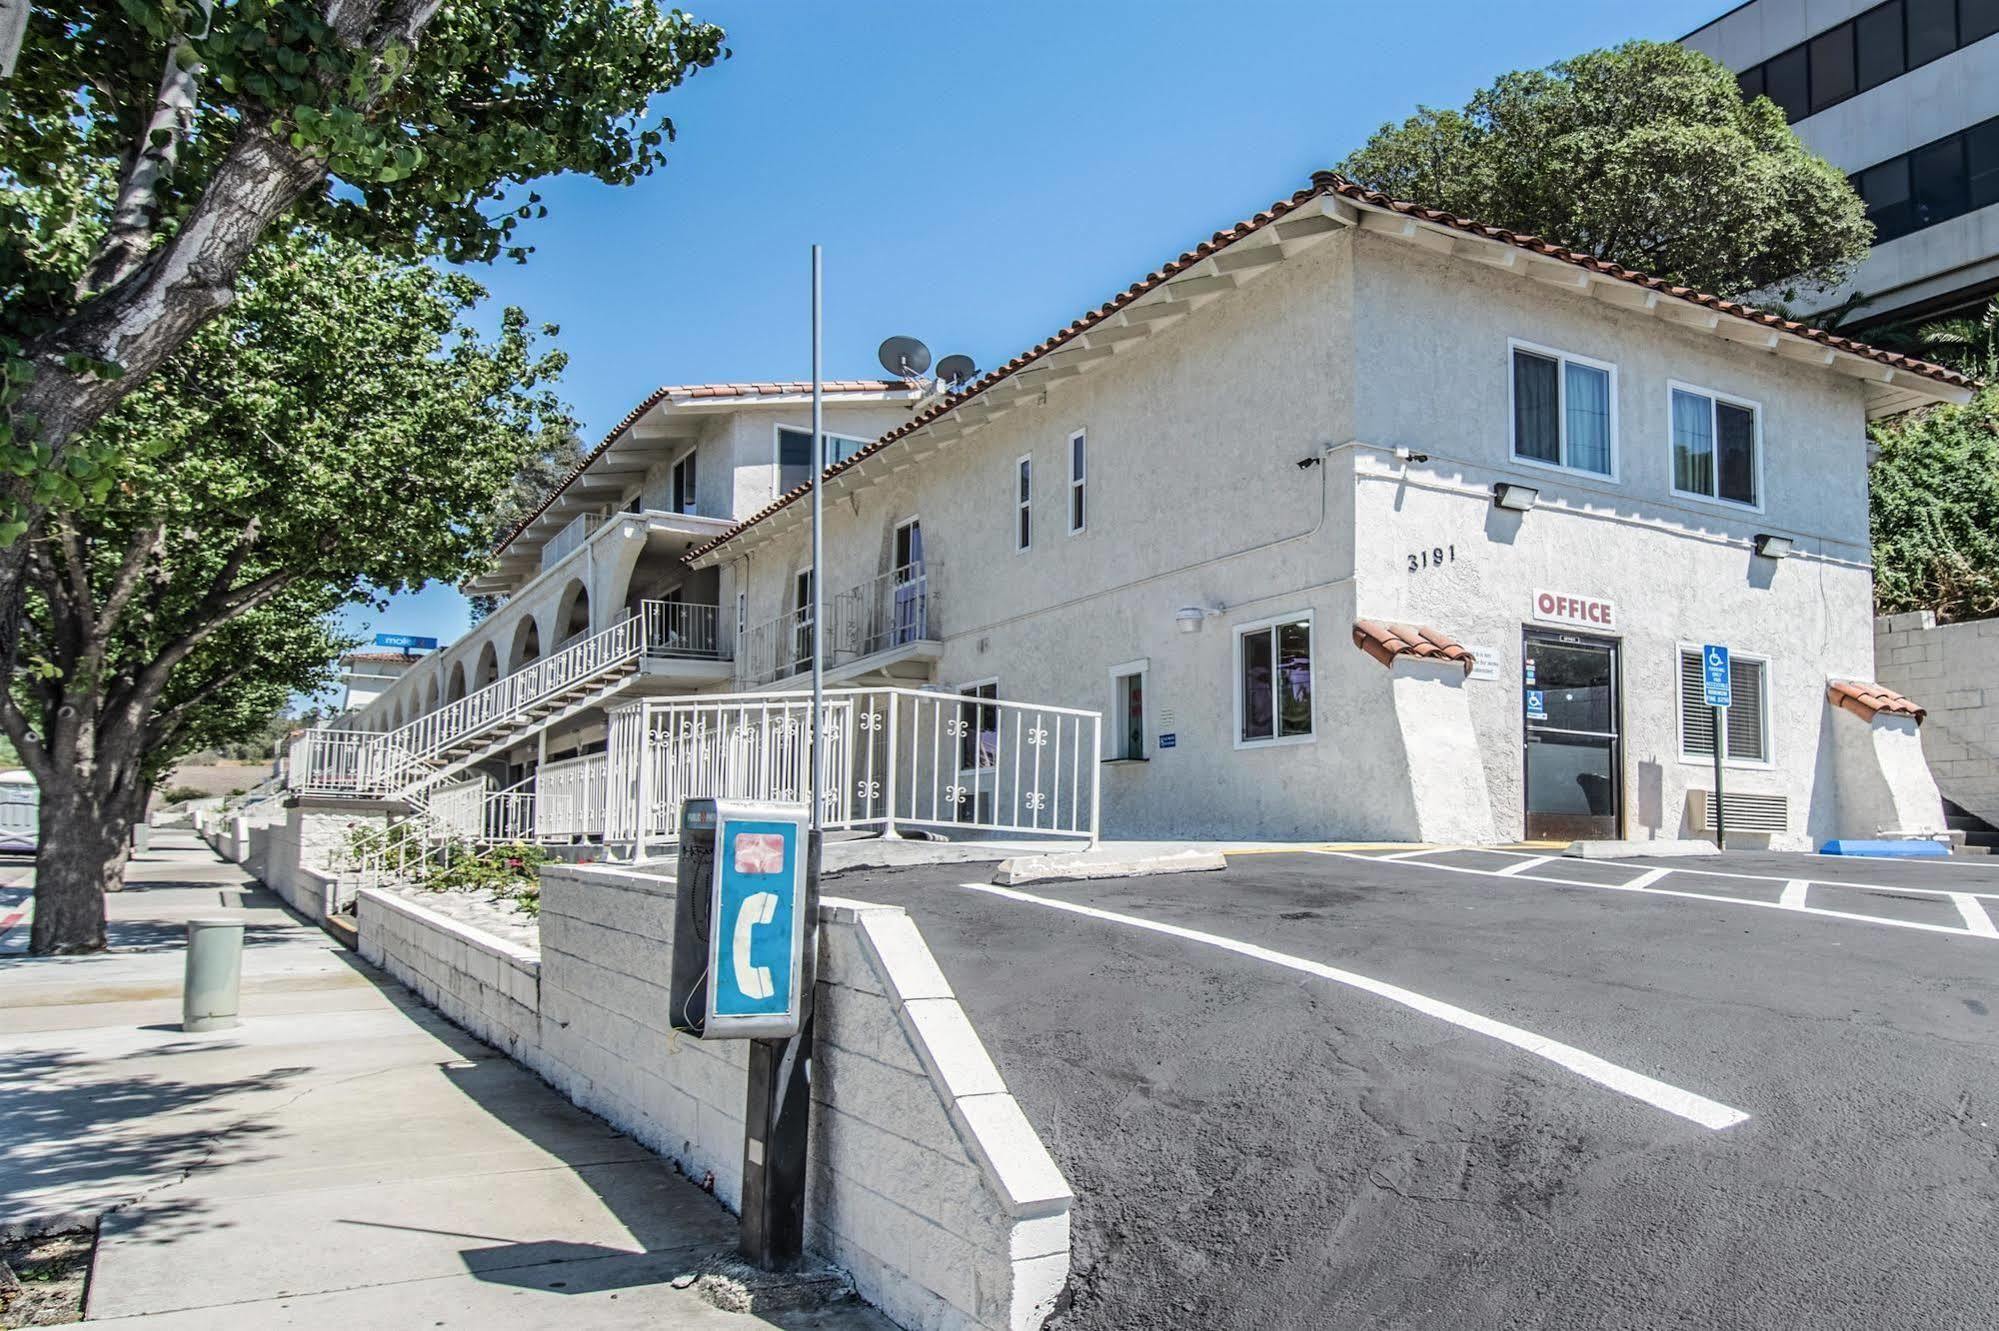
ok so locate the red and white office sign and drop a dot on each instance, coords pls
(1589, 612)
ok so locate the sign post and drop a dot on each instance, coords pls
(1718, 683)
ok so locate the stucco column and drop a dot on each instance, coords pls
(1439, 756)
(1884, 785)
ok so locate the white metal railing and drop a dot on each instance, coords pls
(682, 628)
(570, 799)
(510, 813)
(886, 611)
(893, 758)
(460, 808)
(569, 538)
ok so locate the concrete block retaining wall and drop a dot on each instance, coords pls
(1953, 671)
(927, 1182)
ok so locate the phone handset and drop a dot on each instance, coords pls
(758, 908)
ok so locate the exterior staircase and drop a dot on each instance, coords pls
(1980, 837)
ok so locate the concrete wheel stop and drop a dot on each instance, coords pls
(1105, 863)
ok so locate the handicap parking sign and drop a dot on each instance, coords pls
(1715, 675)
(1537, 705)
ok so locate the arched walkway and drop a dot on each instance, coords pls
(572, 612)
(527, 643)
(488, 669)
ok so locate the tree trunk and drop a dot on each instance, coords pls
(86, 839)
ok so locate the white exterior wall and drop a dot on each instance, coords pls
(1953, 671)
(1365, 344)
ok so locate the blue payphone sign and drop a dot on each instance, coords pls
(758, 928)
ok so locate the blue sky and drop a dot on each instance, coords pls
(978, 176)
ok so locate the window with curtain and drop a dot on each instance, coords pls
(1714, 447)
(1561, 411)
(1275, 664)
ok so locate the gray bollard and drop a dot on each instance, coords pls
(214, 974)
(142, 837)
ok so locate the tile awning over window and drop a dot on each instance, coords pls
(1386, 642)
(1867, 701)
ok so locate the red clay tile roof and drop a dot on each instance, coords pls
(381, 656)
(1385, 642)
(1866, 701)
(1332, 183)
(694, 393)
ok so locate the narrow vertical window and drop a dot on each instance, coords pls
(1126, 722)
(684, 485)
(1078, 479)
(1023, 523)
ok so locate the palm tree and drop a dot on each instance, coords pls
(1967, 345)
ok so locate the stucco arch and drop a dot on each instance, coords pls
(430, 695)
(527, 644)
(572, 611)
(488, 669)
(454, 687)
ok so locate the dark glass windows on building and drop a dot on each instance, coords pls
(1867, 51)
(1955, 175)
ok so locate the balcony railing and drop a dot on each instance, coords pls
(681, 628)
(886, 611)
(569, 538)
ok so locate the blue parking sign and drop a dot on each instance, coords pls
(1715, 675)
(1537, 705)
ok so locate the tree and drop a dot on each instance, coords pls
(146, 146)
(1645, 155)
(545, 468)
(339, 435)
(1934, 511)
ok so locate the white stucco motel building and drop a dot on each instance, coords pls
(1355, 521)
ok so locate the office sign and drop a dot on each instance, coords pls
(1590, 612)
(757, 926)
(1715, 675)
(405, 641)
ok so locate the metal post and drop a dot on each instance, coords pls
(214, 975)
(1720, 752)
(777, 1113)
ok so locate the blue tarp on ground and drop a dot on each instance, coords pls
(1901, 850)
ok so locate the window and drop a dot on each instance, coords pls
(1562, 410)
(1877, 38)
(683, 484)
(1274, 681)
(1830, 55)
(978, 751)
(794, 454)
(1078, 476)
(1933, 183)
(1748, 737)
(911, 587)
(1023, 503)
(802, 610)
(1715, 447)
(1127, 719)
(742, 618)
(1867, 51)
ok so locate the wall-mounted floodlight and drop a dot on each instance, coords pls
(1772, 547)
(1515, 497)
(1189, 618)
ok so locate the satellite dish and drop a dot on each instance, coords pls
(904, 357)
(956, 370)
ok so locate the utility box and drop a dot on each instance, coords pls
(739, 927)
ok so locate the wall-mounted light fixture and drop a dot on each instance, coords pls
(1189, 618)
(1772, 547)
(1513, 496)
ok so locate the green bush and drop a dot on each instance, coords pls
(182, 794)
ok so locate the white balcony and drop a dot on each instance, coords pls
(880, 626)
(569, 538)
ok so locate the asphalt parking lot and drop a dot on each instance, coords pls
(1481, 1089)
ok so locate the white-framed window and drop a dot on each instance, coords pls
(1023, 502)
(742, 618)
(792, 451)
(1717, 445)
(1127, 718)
(803, 609)
(1079, 471)
(683, 493)
(1748, 709)
(1564, 409)
(1273, 684)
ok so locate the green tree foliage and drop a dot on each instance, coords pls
(1935, 511)
(340, 435)
(1645, 155)
(146, 147)
(544, 469)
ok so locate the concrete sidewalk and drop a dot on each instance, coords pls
(343, 1159)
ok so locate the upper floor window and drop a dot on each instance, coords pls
(1717, 446)
(1023, 506)
(794, 454)
(683, 484)
(1866, 51)
(1078, 478)
(1563, 410)
(1948, 178)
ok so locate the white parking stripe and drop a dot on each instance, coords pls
(1794, 893)
(1408, 854)
(1523, 866)
(1649, 877)
(1975, 918)
(1696, 1108)
(1700, 896)
(1706, 872)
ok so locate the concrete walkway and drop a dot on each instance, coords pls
(343, 1159)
